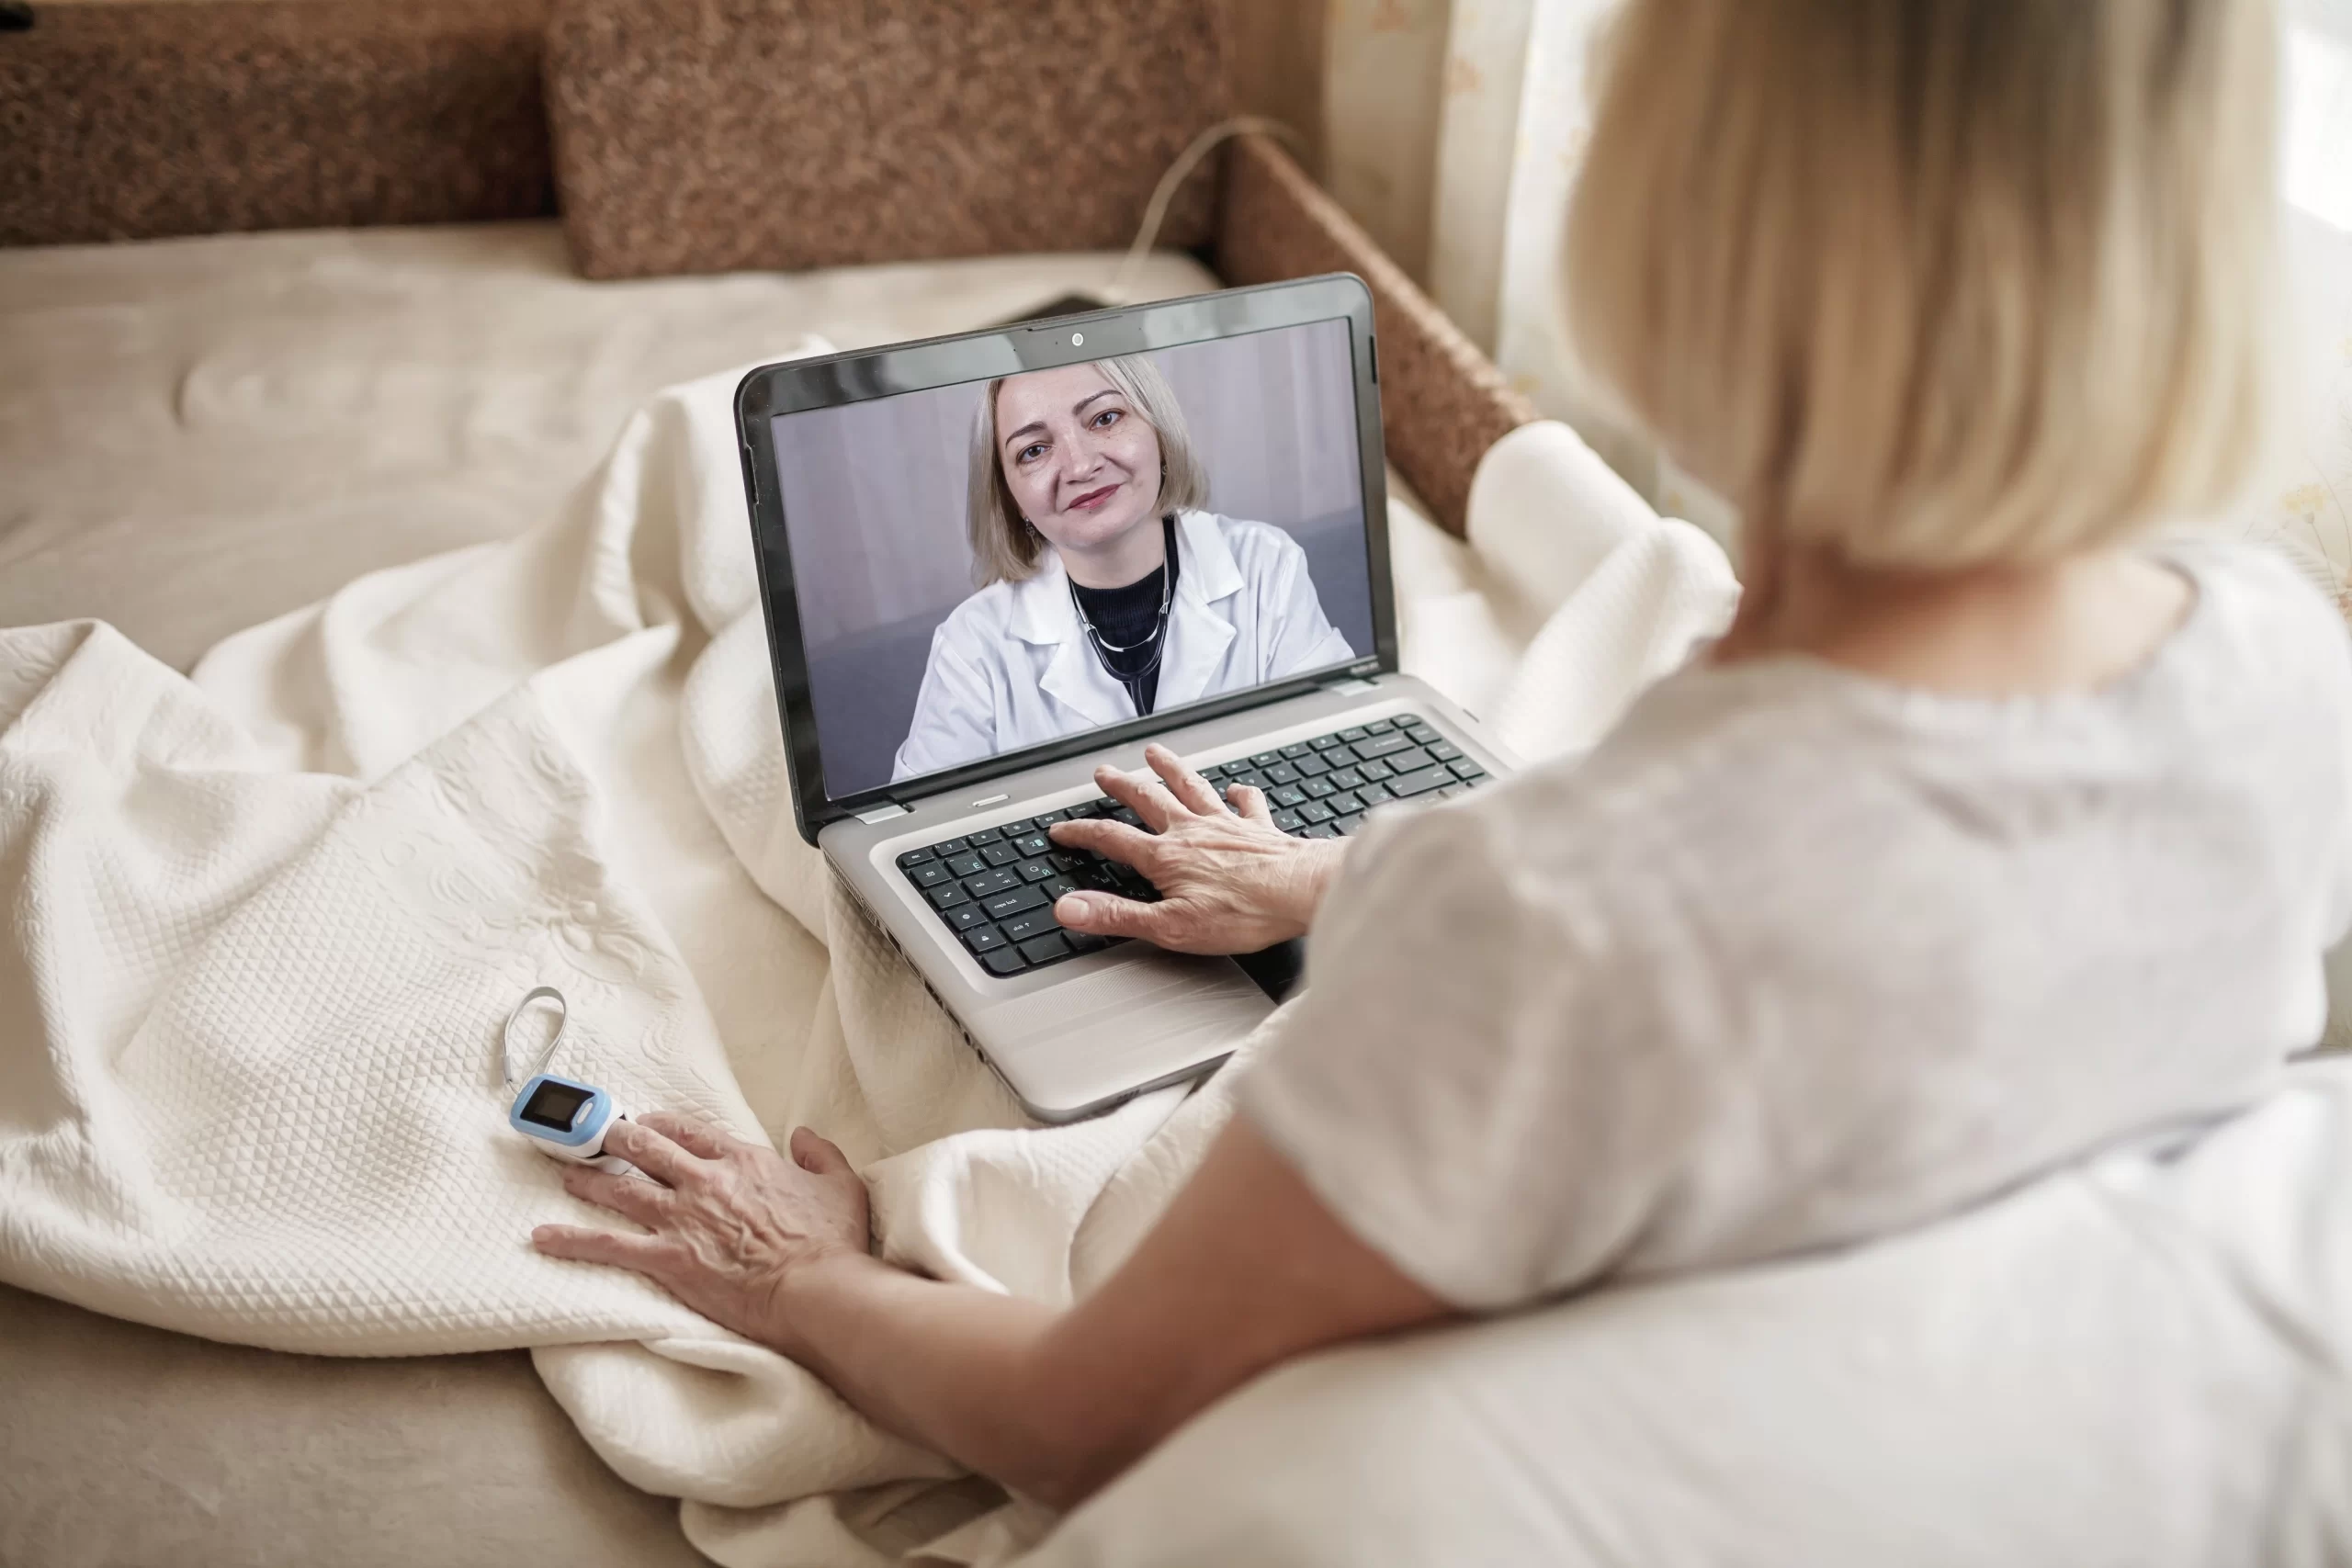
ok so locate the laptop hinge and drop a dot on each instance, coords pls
(1356, 680)
(883, 813)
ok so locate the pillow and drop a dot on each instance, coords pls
(716, 135)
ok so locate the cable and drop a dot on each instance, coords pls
(1155, 213)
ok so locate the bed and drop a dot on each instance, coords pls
(402, 353)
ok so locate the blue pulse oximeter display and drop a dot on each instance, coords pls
(565, 1119)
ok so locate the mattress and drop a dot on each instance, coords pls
(198, 434)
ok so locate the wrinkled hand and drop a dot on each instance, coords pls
(731, 1222)
(1229, 880)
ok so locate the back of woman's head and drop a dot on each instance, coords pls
(1935, 283)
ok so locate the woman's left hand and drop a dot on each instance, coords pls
(730, 1223)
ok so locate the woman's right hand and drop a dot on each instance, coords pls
(1229, 880)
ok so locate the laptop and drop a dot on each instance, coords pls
(993, 561)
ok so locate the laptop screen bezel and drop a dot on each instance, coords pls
(832, 380)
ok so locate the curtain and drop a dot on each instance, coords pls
(2309, 506)
(1452, 132)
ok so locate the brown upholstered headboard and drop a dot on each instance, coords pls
(137, 122)
(694, 135)
(714, 135)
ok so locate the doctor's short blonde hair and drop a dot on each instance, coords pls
(1935, 283)
(1004, 547)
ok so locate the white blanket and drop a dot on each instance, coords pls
(267, 920)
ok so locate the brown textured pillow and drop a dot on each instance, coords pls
(711, 135)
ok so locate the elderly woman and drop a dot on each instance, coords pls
(1105, 591)
(1992, 832)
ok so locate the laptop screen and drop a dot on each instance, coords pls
(986, 566)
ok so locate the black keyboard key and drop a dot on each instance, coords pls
(1019, 900)
(1421, 783)
(1345, 802)
(1412, 759)
(1311, 766)
(1289, 821)
(1375, 771)
(913, 857)
(947, 898)
(930, 873)
(1319, 789)
(963, 917)
(1373, 795)
(1037, 922)
(1423, 735)
(1054, 887)
(1267, 758)
(946, 847)
(1085, 942)
(1045, 819)
(1316, 811)
(1282, 774)
(1288, 794)
(1350, 823)
(966, 864)
(988, 835)
(1030, 844)
(983, 939)
(1382, 726)
(1443, 751)
(999, 854)
(1005, 960)
(1127, 814)
(1320, 830)
(1294, 752)
(1044, 949)
(1380, 746)
(1324, 742)
(1347, 778)
(1356, 734)
(988, 884)
(1466, 769)
(1035, 870)
(1253, 778)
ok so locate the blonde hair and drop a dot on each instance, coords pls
(1005, 548)
(1935, 283)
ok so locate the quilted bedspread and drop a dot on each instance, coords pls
(267, 920)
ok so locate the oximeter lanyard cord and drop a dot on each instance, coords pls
(562, 1022)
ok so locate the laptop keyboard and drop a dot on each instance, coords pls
(996, 888)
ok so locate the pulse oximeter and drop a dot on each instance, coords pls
(564, 1119)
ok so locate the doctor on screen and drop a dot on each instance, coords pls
(1106, 591)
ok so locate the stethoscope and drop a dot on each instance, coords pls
(1156, 641)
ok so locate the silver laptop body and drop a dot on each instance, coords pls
(1074, 1034)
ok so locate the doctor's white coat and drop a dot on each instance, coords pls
(1011, 667)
